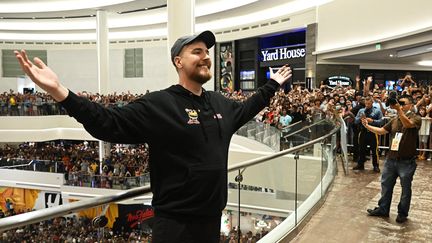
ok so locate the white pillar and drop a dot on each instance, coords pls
(102, 51)
(102, 43)
(181, 21)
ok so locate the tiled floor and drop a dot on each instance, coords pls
(343, 217)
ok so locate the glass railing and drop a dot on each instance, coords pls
(261, 132)
(268, 196)
(279, 193)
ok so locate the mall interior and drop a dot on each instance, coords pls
(287, 182)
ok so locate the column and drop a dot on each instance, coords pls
(181, 21)
(102, 44)
(310, 72)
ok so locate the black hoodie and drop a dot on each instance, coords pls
(188, 137)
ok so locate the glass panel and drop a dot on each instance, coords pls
(309, 173)
(267, 196)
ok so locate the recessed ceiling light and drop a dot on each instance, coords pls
(145, 8)
(391, 55)
(425, 63)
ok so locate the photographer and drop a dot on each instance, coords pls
(400, 161)
(373, 116)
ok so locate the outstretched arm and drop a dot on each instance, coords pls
(42, 75)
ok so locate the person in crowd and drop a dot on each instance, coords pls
(407, 81)
(189, 170)
(373, 116)
(424, 132)
(356, 127)
(378, 103)
(284, 121)
(400, 161)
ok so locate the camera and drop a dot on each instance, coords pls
(393, 101)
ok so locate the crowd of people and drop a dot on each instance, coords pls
(71, 229)
(349, 103)
(13, 103)
(79, 161)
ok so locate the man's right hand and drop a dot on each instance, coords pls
(42, 75)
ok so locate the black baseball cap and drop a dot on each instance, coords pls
(207, 37)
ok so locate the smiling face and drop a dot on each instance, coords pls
(194, 62)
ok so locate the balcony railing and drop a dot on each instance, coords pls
(289, 183)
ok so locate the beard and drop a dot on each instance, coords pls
(201, 76)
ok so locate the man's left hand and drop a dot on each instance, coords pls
(282, 75)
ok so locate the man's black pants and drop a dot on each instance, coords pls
(368, 138)
(166, 230)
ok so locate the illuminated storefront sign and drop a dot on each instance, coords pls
(339, 80)
(282, 53)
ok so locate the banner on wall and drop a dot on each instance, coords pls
(21, 200)
(132, 216)
(226, 82)
(28, 199)
(126, 217)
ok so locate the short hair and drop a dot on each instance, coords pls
(368, 98)
(408, 97)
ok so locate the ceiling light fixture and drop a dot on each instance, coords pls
(414, 51)
(425, 63)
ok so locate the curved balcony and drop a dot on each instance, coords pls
(284, 185)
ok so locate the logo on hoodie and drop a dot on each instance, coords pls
(193, 116)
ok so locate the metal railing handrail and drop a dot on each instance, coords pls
(16, 166)
(251, 162)
(304, 128)
(57, 211)
(48, 213)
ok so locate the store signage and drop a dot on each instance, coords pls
(282, 53)
(339, 80)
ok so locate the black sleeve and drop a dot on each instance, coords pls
(128, 124)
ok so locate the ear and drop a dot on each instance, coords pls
(178, 62)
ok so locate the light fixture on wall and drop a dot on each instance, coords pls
(414, 51)
(425, 63)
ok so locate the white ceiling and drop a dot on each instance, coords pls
(385, 53)
(52, 18)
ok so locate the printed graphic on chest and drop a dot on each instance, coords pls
(193, 116)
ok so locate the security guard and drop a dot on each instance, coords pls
(373, 117)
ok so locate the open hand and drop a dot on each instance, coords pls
(42, 75)
(282, 75)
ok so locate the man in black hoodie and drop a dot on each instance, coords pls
(188, 170)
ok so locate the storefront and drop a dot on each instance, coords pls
(244, 64)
